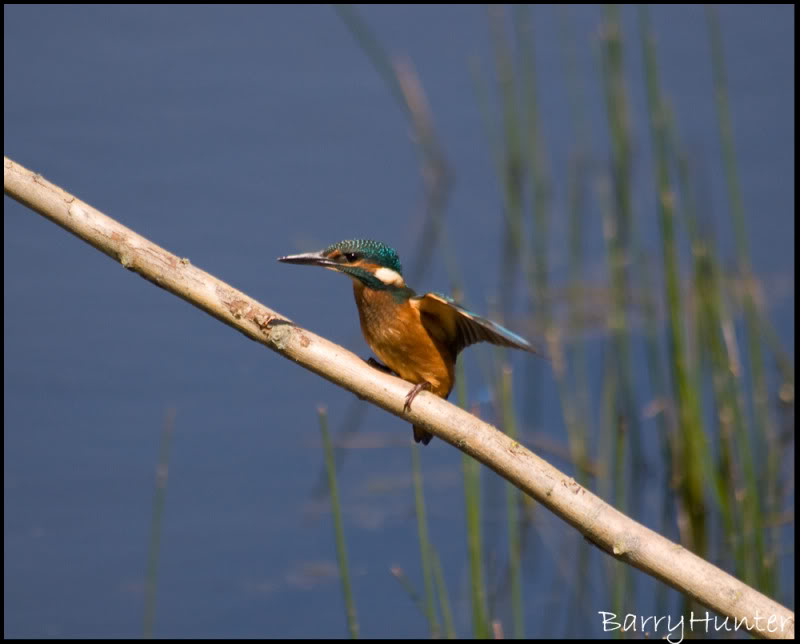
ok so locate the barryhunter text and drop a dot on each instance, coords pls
(675, 628)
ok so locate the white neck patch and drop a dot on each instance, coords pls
(389, 277)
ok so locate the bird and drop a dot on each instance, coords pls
(417, 337)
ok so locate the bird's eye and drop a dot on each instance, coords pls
(351, 257)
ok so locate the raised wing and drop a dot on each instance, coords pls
(457, 327)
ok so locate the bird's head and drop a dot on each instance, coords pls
(372, 263)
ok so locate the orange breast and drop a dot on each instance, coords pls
(393, 330)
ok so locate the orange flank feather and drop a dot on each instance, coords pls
(394, 329)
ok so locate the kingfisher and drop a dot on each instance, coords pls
(418, 337)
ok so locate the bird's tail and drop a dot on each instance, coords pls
(421, 436)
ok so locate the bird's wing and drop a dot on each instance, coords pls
(457, 327)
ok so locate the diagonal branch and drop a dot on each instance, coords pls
(607, 528)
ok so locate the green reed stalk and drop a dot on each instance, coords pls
(336, 509)
(614, 437)
(472, 501)
(690, 425)
(619, 226)
(511, 170)
(512, 508)
(618, 573)
(662, 413)
(576, 416)
(400, 575)
(762, 420)
(159, 501)
(535, 157)
(711, 317)
(444, 601)
(424, 541)
(576, 406)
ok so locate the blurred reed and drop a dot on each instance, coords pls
(159, 502)
(338, 525)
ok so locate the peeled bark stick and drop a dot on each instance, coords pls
(600, 523)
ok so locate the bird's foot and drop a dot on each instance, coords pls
(372, 362)
(413, 393)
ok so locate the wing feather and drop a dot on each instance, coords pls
(460, 328)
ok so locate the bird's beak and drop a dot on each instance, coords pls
(313, 259)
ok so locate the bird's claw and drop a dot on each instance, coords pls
(413, 394)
